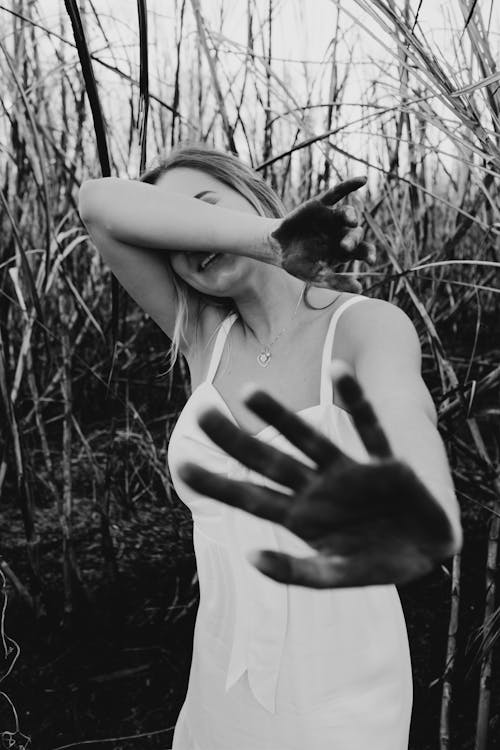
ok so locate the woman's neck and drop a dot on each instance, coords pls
(269, 306)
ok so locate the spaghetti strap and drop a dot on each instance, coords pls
(220, 340)
(326, 388)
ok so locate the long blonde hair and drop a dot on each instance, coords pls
(228, 169)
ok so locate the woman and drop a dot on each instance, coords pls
(274, 667)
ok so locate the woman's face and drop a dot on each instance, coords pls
(224, 275)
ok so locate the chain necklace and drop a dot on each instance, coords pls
(264, 357)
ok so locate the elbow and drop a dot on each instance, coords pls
(88, 202)
(93, 198)
(455, 538)
(448, 544)
(457, 535)
(453, 544)
(448, 532)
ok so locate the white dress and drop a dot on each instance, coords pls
(278, 667)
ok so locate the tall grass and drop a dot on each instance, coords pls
(80, 419)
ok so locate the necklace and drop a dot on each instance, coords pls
(264, 356)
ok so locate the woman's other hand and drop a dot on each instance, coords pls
(315, 238)
(371, 523)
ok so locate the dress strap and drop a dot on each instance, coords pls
(326, 391)
(220, 340)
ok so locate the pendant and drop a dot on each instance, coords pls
(264, 357)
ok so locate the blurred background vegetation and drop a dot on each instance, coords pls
(98, 578)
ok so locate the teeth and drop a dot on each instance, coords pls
(208, 260)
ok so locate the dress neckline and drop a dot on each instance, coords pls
(267, 427)
(326, 387)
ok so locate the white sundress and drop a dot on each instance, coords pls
(278, 667)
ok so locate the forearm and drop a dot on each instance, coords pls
(141, 214)
(415, 440)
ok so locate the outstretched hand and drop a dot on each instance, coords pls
(314, 238)
(371, 523)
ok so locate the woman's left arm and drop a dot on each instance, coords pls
(386, 359)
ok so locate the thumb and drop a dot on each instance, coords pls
(315, 572)
(335, 194)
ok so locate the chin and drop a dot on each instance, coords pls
(221, 288)
(222, 277)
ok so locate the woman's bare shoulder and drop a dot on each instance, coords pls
(373, 323)
(380, 313)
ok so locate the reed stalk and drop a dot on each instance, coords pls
(143, 81)
(488, 632)
(451, 653)
(221, 106)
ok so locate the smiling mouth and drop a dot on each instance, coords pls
(208, 261)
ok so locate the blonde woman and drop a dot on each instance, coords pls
(244, 293)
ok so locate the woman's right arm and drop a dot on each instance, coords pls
(134, 223)
(145, 274)
(141, 214)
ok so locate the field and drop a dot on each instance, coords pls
(98, 576)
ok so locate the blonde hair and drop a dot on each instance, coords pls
(228, 169)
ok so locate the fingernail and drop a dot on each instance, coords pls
(184, 471)
(253, 557)
(275, 564)
(339, 369)
(248, 390)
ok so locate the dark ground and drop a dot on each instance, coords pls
(122, 668)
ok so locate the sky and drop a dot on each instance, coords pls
(302, 31)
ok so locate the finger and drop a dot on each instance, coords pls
(298, 432)
(260, 501)
(355, 248)
(254, 453)
(330, 278)
(365, 251)
(362, 413)
(351, 240)
(345, 216)
(315, 572)
(321, 572)
(344, 282)
(332, 196)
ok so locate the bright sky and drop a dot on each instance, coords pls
(301, 31)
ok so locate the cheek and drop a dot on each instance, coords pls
(181, 269)
(179, 265)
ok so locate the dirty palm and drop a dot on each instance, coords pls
(371, 523)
